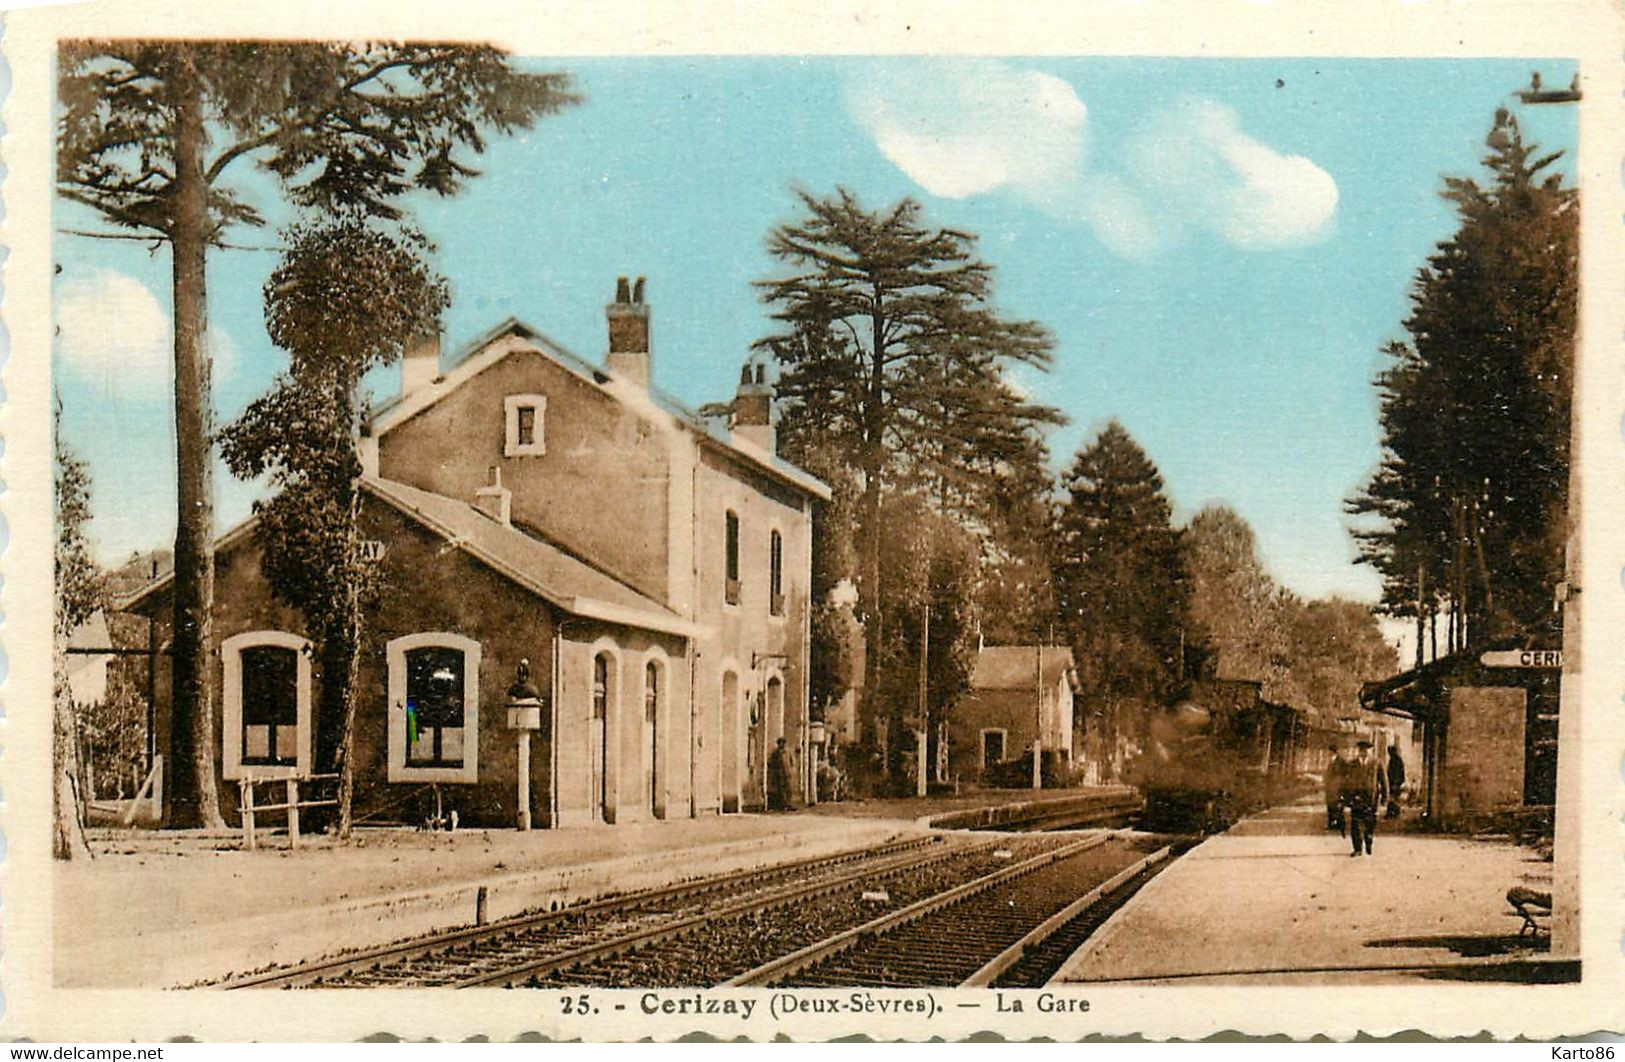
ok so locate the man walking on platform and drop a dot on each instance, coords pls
(1365, 788)
(1334, 791)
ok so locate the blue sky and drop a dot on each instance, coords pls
(1219, 246)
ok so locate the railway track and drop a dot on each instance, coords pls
(598, 916)
(1011, 927)
(713, 949)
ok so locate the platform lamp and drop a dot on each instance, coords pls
(525, 706)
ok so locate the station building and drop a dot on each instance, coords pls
(650, 566)
(1487, 719)
(1016, 691)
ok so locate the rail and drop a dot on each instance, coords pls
(629, 942)
(1014, 953)
(771, 972)
(323, 969)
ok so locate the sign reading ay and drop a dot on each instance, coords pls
(1539, 658)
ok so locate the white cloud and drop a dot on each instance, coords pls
(1200, 170)
(961, 129)
(113, 332)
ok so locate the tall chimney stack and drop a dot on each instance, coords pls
(629, 333)
(420, 365)
(753, 406)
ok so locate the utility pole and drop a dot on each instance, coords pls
(921, 732)
(1038, 729)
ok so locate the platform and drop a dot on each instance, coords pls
(202, 903)
(1278, 900)
(166, 908)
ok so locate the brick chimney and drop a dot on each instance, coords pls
(420, 366)
(753, 406)
(494, 500)
(629, 333)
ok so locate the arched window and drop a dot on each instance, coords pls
(598, 736)
(434, 707)
(265, 705)
(651, 734)
(600, 686)
(434, 693)
(775, 573)
(731, 545)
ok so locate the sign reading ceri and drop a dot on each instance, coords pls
(1532, 658)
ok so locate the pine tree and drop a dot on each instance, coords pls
(893, 353)
(149, 132)
(1120, 573)
(1468, 509)
(346, 298)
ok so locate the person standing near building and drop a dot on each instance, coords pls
(778, 779)
(1396, 780)
(1365, 787)
(1334, 791)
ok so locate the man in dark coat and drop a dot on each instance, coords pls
(1365, 788)
(1396, 780)
(778, 779)
(1334, 791)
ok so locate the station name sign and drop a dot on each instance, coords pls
(1535, 658)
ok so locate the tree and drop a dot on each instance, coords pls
(1335, 646)
(342, 127)
(78, 596)
(1468, 509)
(929, 571)
(891, 349)
(1121, 579)
(345, 299)
(1240, 612)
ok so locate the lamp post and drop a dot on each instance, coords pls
(524, 715)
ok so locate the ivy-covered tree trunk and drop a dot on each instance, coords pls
(192, 699)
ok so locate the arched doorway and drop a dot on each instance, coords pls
(651, 735)
(731, 727)
(598, 735)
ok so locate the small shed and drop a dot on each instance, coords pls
(1489, 727)
(1016, 691)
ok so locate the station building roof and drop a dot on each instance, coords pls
(531, 562)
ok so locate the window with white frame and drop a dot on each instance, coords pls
(434, 693)
(775, 573)
(525, 417)
(730, 545)
(265, 705)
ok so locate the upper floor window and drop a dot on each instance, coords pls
(434, 708)
(651, 692)
(775, 573)
(266, 705)
(525, 417)
(731, 586)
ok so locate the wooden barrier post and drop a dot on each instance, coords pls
(247, 785)
(293, 813)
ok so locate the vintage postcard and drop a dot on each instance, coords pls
(812, 520)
